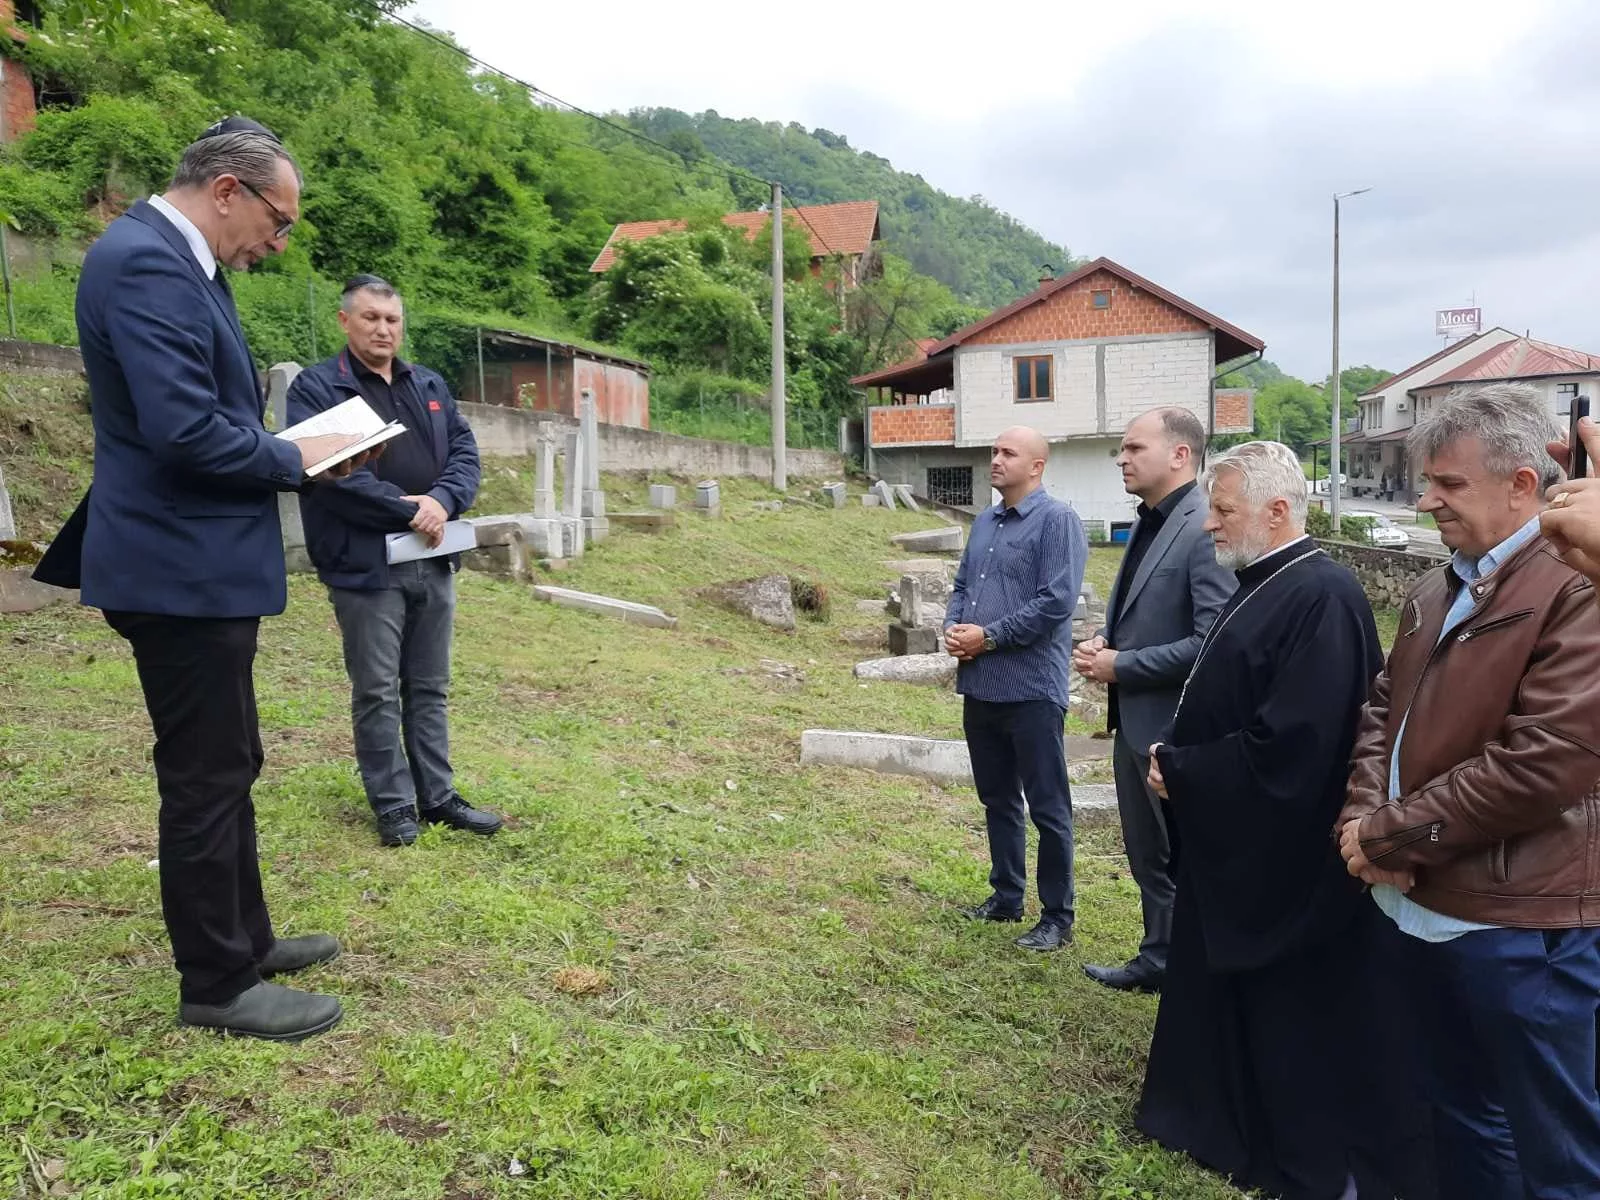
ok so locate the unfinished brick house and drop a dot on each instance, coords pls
(1076, 359)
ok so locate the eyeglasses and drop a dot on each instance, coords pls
(285, 224)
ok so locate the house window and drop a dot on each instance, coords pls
(1033, 379)
(950, 485)
(1101, 299)
(1566, 393)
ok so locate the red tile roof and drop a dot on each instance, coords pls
(1520, 358)
(1427, 362)
(1233, 342)
(848, 229)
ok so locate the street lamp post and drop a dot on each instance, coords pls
(1334, 460)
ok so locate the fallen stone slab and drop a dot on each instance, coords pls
(626, 610)
(875, 608)
(941, 567)
(935, 670)
(21, 593)
(769, 599)
(943, 762)
(948, 538)
(884, 493)
(657, 521)
(902, 493)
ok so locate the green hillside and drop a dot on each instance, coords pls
(982, 255)
(483, 202)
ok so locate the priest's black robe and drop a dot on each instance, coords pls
(1270, 1063)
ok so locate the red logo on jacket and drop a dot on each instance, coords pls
(433, 406)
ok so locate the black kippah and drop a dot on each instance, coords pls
(236, 124)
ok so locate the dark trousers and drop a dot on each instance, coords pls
(200, 692)
(1017, 752)
(1144, 835)
(397, 654)
(1506, 1019)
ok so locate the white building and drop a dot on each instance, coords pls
(1076, 359)
(1376, 450)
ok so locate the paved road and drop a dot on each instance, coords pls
(1424, 538)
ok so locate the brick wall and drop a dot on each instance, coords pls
(16, 89)
(17, 113)
(1070, 315)
(913, 424)
(1236, 410)
(1145, 375)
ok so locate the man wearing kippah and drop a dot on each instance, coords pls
(396, 617)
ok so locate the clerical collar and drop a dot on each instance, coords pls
(1273, 559)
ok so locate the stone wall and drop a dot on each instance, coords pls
(510, 431)
(39, 356)
(1387, 575)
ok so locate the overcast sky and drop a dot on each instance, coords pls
(1199, 150)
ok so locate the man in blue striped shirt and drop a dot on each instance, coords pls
(1010, 624)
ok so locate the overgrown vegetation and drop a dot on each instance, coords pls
(481, 205)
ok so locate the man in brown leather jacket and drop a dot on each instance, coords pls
(1473, 812)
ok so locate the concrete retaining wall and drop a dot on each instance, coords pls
(513, 432)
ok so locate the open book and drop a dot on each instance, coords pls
(352, 418)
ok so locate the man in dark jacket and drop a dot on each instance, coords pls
(178, 543)
(397, 618)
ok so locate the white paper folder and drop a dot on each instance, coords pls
(410, 546)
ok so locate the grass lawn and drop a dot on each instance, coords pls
(687, 968)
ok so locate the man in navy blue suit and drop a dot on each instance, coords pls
(178, 542)
(396, 618)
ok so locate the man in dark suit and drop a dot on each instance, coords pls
(178, 542)
(1167, 593)
(396, 618)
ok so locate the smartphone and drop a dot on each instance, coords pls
(1580, 460)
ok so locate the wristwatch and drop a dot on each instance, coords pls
(988, 642)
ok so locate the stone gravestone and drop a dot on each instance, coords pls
(593, 500)
(572, 531)
(8, 522)
(279, 377)
(884, 493)
(902, 493)
(835, 493)
(663, 495)
(870, 500)
(708, 497)
(907, 636)
(544, 479)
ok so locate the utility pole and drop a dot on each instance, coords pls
(780, 463)
(1333, 382)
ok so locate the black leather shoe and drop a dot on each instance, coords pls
(297, 953)
(458, 814)
(398, 828)
(1134, 976)
(1046, 935)
(268, 1010)
(992, 910)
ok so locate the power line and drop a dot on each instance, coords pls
(627, 130)
(675, 157)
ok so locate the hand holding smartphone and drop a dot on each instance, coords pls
(1578, 466)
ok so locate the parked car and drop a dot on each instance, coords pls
(1321, 484)
(1383, 532)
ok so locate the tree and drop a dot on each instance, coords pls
(1293, 412)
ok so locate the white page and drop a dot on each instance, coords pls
(354, 416)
